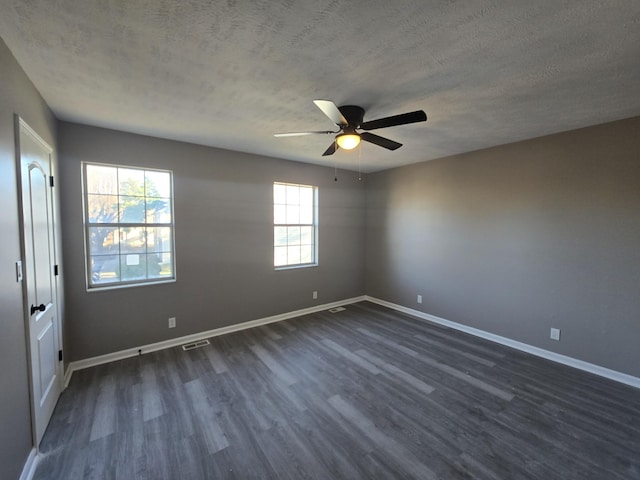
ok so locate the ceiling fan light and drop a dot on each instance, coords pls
(348, 141)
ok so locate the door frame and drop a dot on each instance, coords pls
(21, 125)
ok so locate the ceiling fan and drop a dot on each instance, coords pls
(350, 119)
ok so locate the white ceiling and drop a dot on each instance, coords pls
(230, 74)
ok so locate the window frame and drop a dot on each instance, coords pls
(86, 225)
(313, 225)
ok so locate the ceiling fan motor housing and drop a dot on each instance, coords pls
(353, 114)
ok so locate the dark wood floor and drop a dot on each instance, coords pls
(364, 393)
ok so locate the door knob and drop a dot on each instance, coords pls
(39, 308)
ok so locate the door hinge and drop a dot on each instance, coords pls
(59, 355)
(55, 270)
(51, 181)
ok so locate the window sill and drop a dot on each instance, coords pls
(295, 267)
(129, 285)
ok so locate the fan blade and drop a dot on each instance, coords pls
(330, 110)
(380, 141)
(402, 119)
(331, 150)
(299, 134)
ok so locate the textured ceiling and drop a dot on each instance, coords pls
(230, 74)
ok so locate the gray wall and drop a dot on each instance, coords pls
(224, 238)
(519, 238)
(17, 95)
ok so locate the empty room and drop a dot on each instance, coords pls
(320, 240)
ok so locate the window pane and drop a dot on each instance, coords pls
(153, 265)
(293, 194)
(279, 194)
(102, 208)
(104, 269)
(306, 254)
(293, 254)
(306, 215)
(293, 214)
(131, 182)
(132, 209)
(306, 235)
(103, 241)
(279, 236)
(133, 240)
(159, 239)
(160, 265)
(133, 267)
(279, 214)
(157, 184)
(293, 236)
(158, 210)
(101, 179)
(279, 256)
(306, 196)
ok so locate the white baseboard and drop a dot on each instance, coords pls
(539, 352)
(174, 342)
(30, 465)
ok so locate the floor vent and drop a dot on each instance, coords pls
(191, 346)
(337, 309)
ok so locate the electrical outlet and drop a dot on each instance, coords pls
(172, 322)
(315, 294)
(555, 334)
(419, 299)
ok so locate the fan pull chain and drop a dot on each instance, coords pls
(360, 162)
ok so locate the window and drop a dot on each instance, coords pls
(128, 225)
(295, 225)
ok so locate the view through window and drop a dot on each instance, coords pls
(128, 225)
(294, 225)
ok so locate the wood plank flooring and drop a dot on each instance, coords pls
(364, 393)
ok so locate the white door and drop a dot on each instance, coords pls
(39, 275)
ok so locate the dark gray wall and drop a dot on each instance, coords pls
(17, 95)
(224, 238)
(519, 238)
